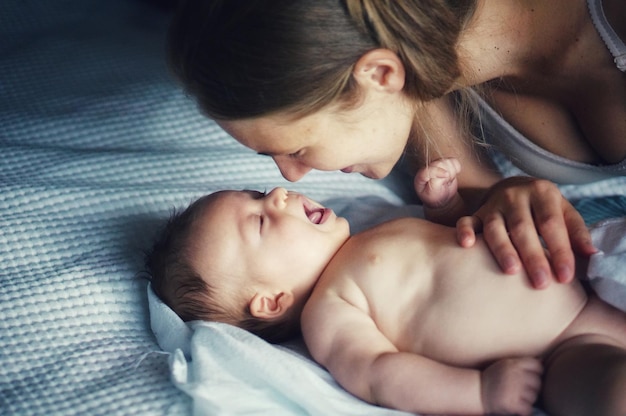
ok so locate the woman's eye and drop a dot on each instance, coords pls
(296, 154)
(261, 221)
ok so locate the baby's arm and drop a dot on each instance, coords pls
(511, 386)
(348, 343)
(437, 187)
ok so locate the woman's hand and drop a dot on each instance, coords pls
(516, 215)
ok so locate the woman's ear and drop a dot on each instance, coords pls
(270, 305)
(380, 69)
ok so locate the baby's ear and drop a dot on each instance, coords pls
(270, 305)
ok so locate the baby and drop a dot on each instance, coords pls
(399, 314)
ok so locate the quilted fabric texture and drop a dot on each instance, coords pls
(97, 146)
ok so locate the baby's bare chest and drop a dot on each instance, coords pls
(462, 310)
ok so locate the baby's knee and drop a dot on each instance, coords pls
(614, 386)
(586, 379)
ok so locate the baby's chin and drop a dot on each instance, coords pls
(347, 225)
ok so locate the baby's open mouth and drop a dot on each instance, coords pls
(315, 214)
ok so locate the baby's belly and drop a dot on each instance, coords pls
(474, 319)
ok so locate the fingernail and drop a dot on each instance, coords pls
(564, 273)
(510, 264)
(593, 248)
(467, 240)
(540, 277)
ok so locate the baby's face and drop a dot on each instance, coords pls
(281, 238)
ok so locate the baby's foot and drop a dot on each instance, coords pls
(437, 184)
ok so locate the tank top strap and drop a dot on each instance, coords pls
(613, 42)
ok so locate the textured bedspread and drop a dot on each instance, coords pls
(96, 147)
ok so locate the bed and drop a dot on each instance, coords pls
(98, 144)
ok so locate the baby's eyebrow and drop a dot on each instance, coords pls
(254, 193)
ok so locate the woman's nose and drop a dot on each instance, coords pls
(291, 169)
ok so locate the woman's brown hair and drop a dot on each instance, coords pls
(242, 59)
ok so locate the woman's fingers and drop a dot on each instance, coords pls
(527, 222)
(466, 229)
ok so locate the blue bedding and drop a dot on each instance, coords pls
(97, 145)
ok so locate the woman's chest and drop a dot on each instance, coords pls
(569, 98)
(579, 115)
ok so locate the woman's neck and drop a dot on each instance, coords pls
(509, 38)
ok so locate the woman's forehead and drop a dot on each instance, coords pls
(271, 135)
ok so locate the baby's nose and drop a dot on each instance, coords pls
(278, 197)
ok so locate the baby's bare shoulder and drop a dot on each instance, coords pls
(392, 235)
(383, 254)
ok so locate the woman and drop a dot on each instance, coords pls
(357, 86)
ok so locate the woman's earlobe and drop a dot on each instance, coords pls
(270, 305)
(380, 69)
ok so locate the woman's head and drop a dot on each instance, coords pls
(244, 59)
(281, 61)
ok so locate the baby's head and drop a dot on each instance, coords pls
(245, 258)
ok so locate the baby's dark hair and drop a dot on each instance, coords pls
(179, 285)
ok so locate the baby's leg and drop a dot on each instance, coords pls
(587, 377)
(586, 374)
